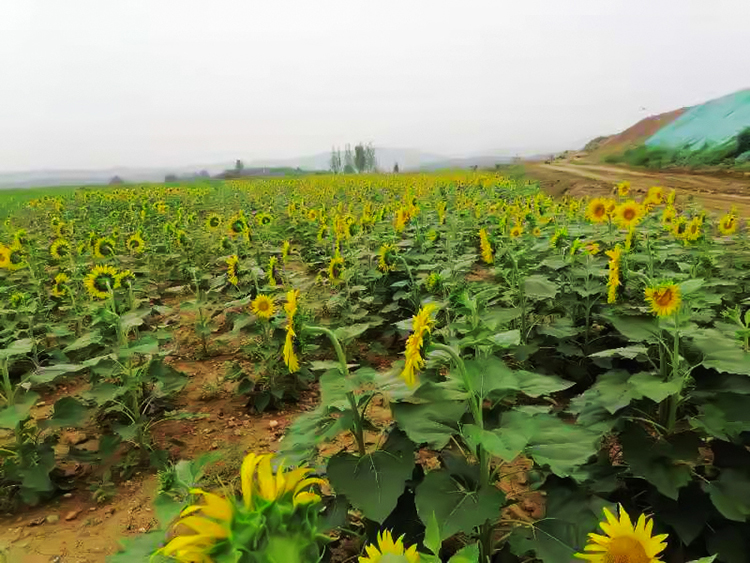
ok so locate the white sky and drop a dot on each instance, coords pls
(99, 83)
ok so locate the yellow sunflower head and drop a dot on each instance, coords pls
(728, 224)
(135, 244)
(628, 214)
(104, 247)
(387, 258)
(312, 215)
(59, 249)
(101, 281)
(336, 269)
(516, 231)
(664, 299)
(213, 222)
(624, 542)
(596, 211)
(623, 188)
(386, 546)
(238, 225)
(59, 287)
(263, 306)
(537, 232)
(11, 257)
(693, 229)
(264, 219)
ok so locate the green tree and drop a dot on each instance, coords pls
(335, 162)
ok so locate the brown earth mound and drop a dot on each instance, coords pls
(631, 137)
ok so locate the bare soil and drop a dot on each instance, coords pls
(715, 192)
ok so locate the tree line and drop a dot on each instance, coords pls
(360, 159)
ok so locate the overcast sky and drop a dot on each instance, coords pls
(100, 83)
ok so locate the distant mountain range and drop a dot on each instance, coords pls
(407, 159)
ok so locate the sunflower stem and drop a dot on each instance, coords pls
(358, 427)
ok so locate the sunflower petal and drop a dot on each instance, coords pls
(247, 474)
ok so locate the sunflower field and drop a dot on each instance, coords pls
(464, 330)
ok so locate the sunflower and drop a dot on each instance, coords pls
(125, 278)
(285, 248)
(11, 257)
(101, 281)
(432, 235)
(213, 222)
(263, 219)
(135, 244)
(668, 216)
(728, 224)
(655, 196)
(628, 214)
(664, 299)
(623, 188)
(104, 247)
(212, 520)
(386, 258)
(233, 270)
(263, 306)
(442, 208)
(592, 248)
(434, 282)
(485, 247)
(679, 227)
(336, 269)
(537, 232)
(181, 238)
(596, 211)
(238, 225)
(386, 546)
(516, 231)
(623, 542)
(421, 324)
(693, 229)
(59, 249)
(21, 237)
(400, 220)
(312, 215)
(613, 281)
(561, 233)
(59, 289)
(64, 229)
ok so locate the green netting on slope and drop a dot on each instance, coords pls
(711, 123)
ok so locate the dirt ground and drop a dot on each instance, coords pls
(715, 192)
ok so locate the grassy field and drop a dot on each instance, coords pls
(457, 360)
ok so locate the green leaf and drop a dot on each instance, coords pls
(664, 464)
(432, 539)
(145, 345)
(496, 318)
(651, 385)
(431, 416)
(721, 352)
(570, 515)
(103, 392)
(730, 494)
(467, 554)
(504, 442)
(374, 482)
(139, 548)
(455, 507)
(560, 327)
(628, 352)
(535, 384)
(560, 445)
(81, 342)
(319, 365)
(487, 375)
(36, 478)
(506, 339)
(167, 509)
(691, 286)
(11, 415)
(348, 333)
(724, 416)
(132, 319)
(709, 559)
(17, 348)
(635, 329)
(47, 374)
(168, 380)
(539, 287)
(68, 412)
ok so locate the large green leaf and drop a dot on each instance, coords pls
(48, 374)
(93, 337)
(140, 548)
(664, 464)
(348, 333)
(467, 554)
(68, 411)
(724, 416)
(635, 329)
(491, 376)
(506, 339)
(504, 442)
(570, 515)
(539, 287)
(11, 415)
(373, 483)
(456, 508)
(535, 384)
(17, 348)
(730, 494)
(721, 352)
(431, 415)
(560, 445)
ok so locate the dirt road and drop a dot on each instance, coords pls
(713, 192)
